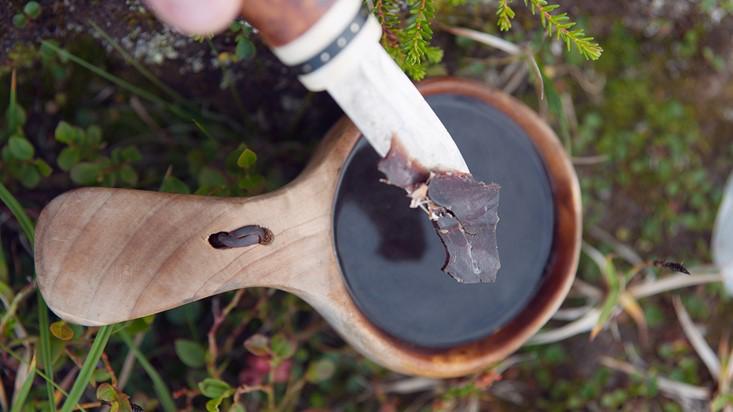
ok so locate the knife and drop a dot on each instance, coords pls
(333, 45)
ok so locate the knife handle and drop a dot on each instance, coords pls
(282, 21)
(319, 39)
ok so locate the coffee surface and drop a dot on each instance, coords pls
(391, 257)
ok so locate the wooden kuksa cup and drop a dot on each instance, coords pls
(110, 255)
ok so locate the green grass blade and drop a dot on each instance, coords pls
(17, 210)
(46, 349)
(27, 226)
(41, 374)
(90, 363)
(134, 63)
(164, 395)
(118, 81)
(22, 395)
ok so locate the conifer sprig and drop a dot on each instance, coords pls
(558, 25)
(407, 31)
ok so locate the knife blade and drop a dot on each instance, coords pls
(383, 103)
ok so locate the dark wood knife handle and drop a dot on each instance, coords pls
(282, 21)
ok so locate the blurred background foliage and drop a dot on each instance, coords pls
(102, 94)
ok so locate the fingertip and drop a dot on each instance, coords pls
(196, 16)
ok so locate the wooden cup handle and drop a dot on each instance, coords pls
(109, 255)
(282, 21)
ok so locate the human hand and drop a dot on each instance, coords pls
(196, 16)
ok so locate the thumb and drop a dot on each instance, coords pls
(196, 16)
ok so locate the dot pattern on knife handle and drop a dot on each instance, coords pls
(334, 48)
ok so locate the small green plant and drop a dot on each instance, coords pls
(87, 166)
(244, 48)
(407, 30)
(557, 24)
(407, 38)
(31, 11)
(18, 155)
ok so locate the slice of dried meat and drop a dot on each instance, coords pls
(464, 213)
(467, 225)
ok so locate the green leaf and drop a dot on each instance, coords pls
(43, 168)
(15, 116)
(172, 184)
(257, 344)
(93, 135)
(68, 158)
(32, 9)
(20, 21)
(281, 347)
(186, 314)
(245, 49)
(21, 148)
(61, 330)
(161, 390)
(721, 401)
(213, 405)
(106, 392)
(128, 175)
(86, 173)
(320, 371)
(247, 159)
(131, 154)
(101, 375)
(82, 380)
(191, 353)
(140, 325)
(236, 408)
(28, 175)
(209, 177)
(251, 181)
(214, 388)
(65, 133)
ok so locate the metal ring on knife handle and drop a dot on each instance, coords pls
(328, 46)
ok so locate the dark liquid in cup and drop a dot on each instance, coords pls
(391, 257)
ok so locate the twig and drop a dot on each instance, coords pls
(644, 290)
(108, 368)
(696, 339)
(516, 78)
(129, 362)
(411, 385)
(572, 313)
(587, 290)
(669, 386)
(12, 306)
(219, 317)
(485, 38)
(621, 249)
(677, 281)
(577, 327)
(588, 160)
